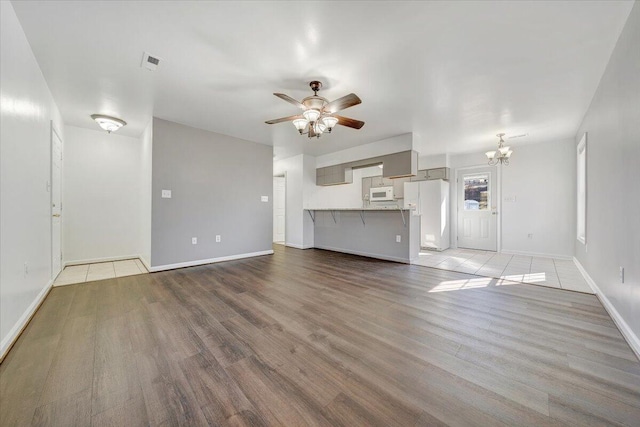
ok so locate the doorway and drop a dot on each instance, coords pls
(279, 209)
(477, 214)
(56, 203)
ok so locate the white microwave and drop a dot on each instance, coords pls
(381, 194)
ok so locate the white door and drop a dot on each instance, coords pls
(477, 216)
(279, 208)
(56, 204)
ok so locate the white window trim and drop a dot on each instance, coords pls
(581, 208)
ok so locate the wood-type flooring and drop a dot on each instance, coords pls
(317, 338)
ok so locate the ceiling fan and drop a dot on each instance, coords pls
(318, 113)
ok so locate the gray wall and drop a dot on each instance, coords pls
(612, 123)
(376, 238)
(216, 183)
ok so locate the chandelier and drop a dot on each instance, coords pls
(501, 155)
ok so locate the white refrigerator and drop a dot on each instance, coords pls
(430, 200)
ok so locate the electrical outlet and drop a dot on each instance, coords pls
(26, 269)
(218, 238)
(398, 238)
(621, 274)
(264, 199)
(194, 240)
(166, 194)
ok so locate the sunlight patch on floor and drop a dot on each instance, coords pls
(456, 285)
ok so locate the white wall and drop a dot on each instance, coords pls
(27, 109)
(300, 174)
(145, 169)
(612, 123)
(541, 177)
(102, 196)
(433, 161)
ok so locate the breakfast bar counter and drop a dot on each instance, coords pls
(388, 233)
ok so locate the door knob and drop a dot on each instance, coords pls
(56, 215)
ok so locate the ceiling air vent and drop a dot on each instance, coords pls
(150, 62)
(518, 136)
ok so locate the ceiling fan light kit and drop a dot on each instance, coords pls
(501, 155)
(318, 113)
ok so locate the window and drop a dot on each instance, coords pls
(476, 192)
(582, 189)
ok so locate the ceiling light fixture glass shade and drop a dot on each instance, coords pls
(311, 115)
(502, 155)
(330, 122)
(319, 128)
(108, 123)
(300, 124)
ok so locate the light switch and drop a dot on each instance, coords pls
(166, 194)
(264, 198)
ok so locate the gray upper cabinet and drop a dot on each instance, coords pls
(398, 187)
(397, 165)
(420, 176)
(334, 175)
(400, 165)
(438, 173)
(366, 186)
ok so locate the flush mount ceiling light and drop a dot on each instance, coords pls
(108, 123)
(501, 155)
(318, 113)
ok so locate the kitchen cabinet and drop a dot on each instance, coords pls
(398, 187)
(420, 176)
(402, 164)
(366, 186)
(334, 175)
(438, 173)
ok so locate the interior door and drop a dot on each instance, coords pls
(477, 216)
(279, 208)
(56, 204)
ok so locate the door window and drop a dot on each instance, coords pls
(476, 192)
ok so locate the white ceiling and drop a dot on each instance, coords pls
(454, 73)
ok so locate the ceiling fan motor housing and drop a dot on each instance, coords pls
(315, 85)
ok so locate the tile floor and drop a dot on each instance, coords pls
(555, 273)
(99, 271)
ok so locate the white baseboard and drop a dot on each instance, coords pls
(145, 262)
(366, 254)
(537, 254)
(625, 330)
(96, 260)
(293, 245)
(17, 329)
(207, 261)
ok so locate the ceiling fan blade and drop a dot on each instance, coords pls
(290, 100)
(346, 121)
(282, 119)
(342, 103)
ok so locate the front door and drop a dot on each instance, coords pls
(477, 216)
(56, 204)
